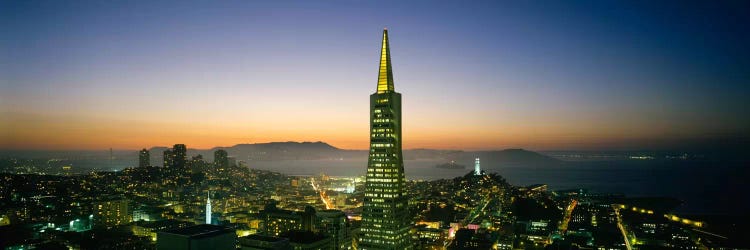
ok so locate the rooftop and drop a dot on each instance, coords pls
(303, 237)
(259, 237)
(200, 231)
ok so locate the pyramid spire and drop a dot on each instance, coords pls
(385, 74)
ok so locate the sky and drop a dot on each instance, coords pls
(540, 75)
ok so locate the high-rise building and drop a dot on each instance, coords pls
(477, 168)
(179, 152)
(221, 159)
(275, 221)
(168, 158)
(335, 224)
(111, 212)
(144, 158)
(385, 219)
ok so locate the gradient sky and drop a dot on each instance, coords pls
(473, 75)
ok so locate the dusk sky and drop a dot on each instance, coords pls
(540, 75)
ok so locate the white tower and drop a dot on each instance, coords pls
(477, 169)
(208, 208)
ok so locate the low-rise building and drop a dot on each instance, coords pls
(199, 237)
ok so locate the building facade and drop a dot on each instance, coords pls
(477, 167)
(168, 158)
(275, 221)
(221, 159)
(335, 224)
(110, 213)
(144, 158)
(179, 152)
(208, 208)
(385, 219)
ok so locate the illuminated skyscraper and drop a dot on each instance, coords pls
(385, 220)
(144, 158)
(208, 208)
(477, 168)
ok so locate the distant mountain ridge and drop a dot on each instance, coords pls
(263, 153)
(290, 150)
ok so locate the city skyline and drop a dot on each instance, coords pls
(243, 125)
(595, 76)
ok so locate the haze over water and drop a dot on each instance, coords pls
(705, 185)
(701, 185)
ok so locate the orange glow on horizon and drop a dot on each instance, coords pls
(44, 132)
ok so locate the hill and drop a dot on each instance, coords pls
(278, 151)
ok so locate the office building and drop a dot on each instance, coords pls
(144, 158)
(110, 213)
(275, 221)
(168, 158)
(335, 224)
(385, 219)
(221, 160)
(179, 154)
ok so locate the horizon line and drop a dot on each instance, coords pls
(352, 149)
